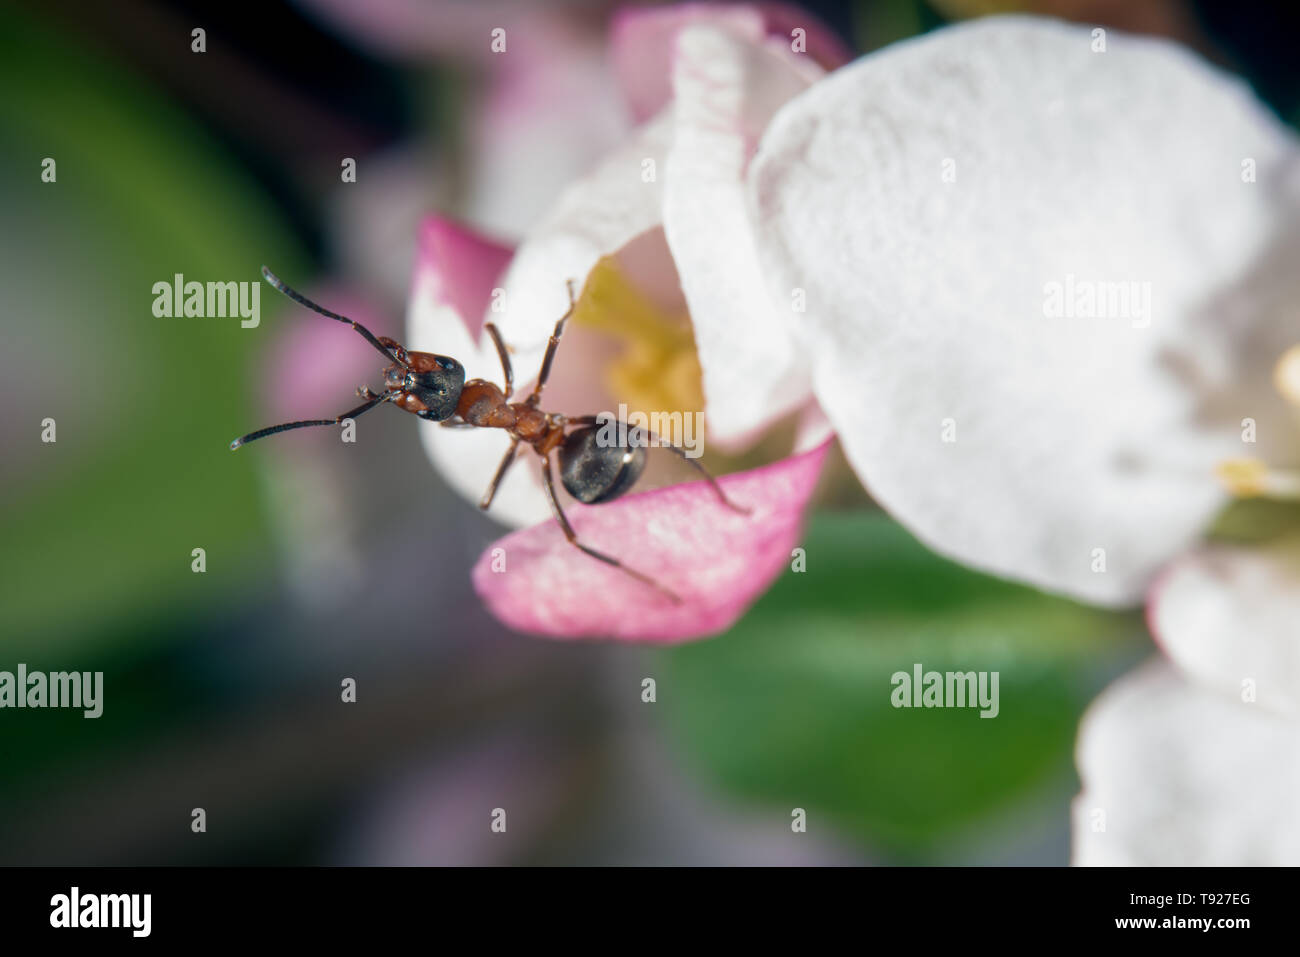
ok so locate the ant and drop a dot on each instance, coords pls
(433, 387)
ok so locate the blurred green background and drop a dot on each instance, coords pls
(222, 688)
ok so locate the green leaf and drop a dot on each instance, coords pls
(97, 528)
(1256, 520)
(792, 707)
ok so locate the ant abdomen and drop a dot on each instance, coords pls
(593, 472)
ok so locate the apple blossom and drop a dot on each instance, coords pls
(716, 560)
(1197, 761)
(923, 247)
(1080, 451)
(1078, 448)
(1037, 286)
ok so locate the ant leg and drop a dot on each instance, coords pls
(551, 346)
(495, 333)
(486, 502)
(656, 440)
(548, 482)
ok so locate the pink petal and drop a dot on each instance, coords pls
(716, 560)
(642, 40)
(459, 268)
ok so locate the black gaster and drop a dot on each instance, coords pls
(594, 473)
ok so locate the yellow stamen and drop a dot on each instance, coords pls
(1251, 478)
(1244, 478)
(1286, 375)
(658, 369)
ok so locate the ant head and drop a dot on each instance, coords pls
(422, 383)
(430, 385)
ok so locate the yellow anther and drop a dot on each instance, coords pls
(1286, 375)
(658, 369)
(1251, 478)
(1244, 478)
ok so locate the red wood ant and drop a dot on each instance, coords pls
(433, 387)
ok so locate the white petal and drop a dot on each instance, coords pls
(594, 217)
(468, 458)
(927, 299)
(1174, 774)
(1229, 617)
(726, 93)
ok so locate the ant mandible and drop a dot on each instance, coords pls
(433, 387)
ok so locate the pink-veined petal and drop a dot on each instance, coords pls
(935, 199)
(1176, 775)
(1229, 617)
(716, 560)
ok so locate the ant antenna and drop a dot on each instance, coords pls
(285, 427)
(280, 285)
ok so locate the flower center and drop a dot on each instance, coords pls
(658, 368)
(1287, 375)
(1251, 478)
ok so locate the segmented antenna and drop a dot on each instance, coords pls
(305, 423)
(280, 285)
